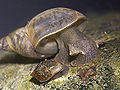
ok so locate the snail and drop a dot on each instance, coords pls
(57, 34)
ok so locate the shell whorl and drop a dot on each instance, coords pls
(4, 44)
(51, 22)
(19, 42)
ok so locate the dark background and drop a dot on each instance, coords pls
(16, 13)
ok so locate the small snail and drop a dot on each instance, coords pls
(53, 33)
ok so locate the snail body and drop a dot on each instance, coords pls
(55, 32)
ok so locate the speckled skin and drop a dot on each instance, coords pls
(81, 47)
(55, 32)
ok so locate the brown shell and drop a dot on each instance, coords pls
(45, 70)
(18, 42)
(51, 22)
